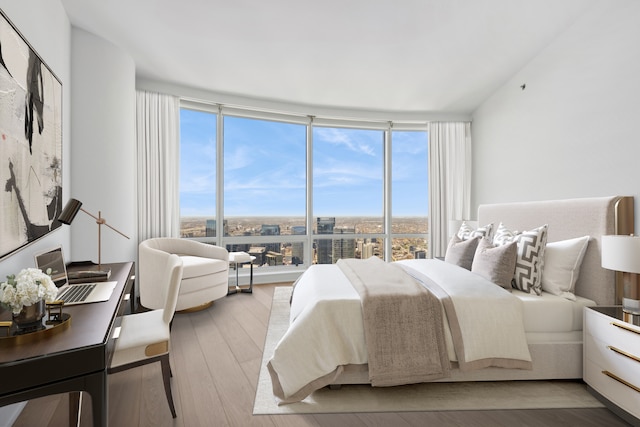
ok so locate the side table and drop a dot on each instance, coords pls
(238, 259)
(612, 359)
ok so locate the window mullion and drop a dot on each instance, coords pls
(220, 178)
(387, 193)
(308, 250)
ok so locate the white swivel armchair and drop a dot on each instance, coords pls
(144, 337)
(205, 274)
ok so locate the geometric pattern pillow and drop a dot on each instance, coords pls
(466, 232)
(530, 260)
(504, 235)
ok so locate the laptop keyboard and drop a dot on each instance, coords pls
(77, 293)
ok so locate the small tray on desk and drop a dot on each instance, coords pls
(49, 329)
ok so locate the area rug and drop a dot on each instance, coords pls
(415, 397)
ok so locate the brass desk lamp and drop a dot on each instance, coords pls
(70, 211)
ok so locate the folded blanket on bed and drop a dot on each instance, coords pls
(485, 321)
(403, 325)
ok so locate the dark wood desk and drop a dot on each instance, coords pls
(71, 361)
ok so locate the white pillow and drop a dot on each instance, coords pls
(562, 261)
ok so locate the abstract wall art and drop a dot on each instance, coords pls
(30, 143)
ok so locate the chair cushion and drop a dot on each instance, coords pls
(197, 266)
(139, 332)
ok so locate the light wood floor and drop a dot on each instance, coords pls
(216, 356)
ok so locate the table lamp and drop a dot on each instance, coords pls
(622, 253)
(70, 211)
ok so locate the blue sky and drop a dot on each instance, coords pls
(265, 168)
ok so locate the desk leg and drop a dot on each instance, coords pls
(96, 386)
(75, 406)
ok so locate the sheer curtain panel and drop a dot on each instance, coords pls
(158, 139)
(449, 180)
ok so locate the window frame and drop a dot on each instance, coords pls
(286, 273)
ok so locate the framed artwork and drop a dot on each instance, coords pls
(30, 142)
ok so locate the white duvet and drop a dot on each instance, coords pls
(326, 328)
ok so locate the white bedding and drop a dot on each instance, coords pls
(550, 313)
(332, 334)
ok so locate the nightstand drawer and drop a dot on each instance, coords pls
(614, 359)
(622, 395)
(614, 332)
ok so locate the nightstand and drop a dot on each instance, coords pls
(612, 360)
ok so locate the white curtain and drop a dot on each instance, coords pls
(158, 140)
(449, 180)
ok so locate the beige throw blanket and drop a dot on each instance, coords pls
(403, 324)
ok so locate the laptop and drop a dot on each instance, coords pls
(71, 294)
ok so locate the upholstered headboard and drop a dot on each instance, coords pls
(571, 218)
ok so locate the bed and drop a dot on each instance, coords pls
(326, 309)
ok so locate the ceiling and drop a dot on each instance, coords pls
(372, 55)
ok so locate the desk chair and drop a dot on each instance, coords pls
(144, 337)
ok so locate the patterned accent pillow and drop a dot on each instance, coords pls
(530, 260)
(504, 235)
(466, 232)
(460, 252)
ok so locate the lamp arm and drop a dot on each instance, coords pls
(101, 221)
(117, 231)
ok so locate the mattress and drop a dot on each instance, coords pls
(551, 313)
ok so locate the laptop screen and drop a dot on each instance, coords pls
(54, 260)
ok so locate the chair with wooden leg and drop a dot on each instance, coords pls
(144, 337)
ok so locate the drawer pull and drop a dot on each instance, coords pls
(624, 353)
(625, 327)
(620, 380)
(116, 332)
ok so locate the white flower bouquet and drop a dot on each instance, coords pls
(26, 288)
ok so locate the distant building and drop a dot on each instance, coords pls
(343, 248)
(273, 258)
(420, 254)
(325, 225)
(259, 253)
(238, 247)
(297, 248)
(367, 250)
(271, 230)
(210, 228)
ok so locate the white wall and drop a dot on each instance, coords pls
(101, 169)
(573, 131)
(98, 144)
(103, 148)
(38, 22)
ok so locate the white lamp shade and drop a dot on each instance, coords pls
(621, 253)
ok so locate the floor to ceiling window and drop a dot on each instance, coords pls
(265, 189)
(292, 192)
(197, 173)
(348, 190)
(409, 185)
